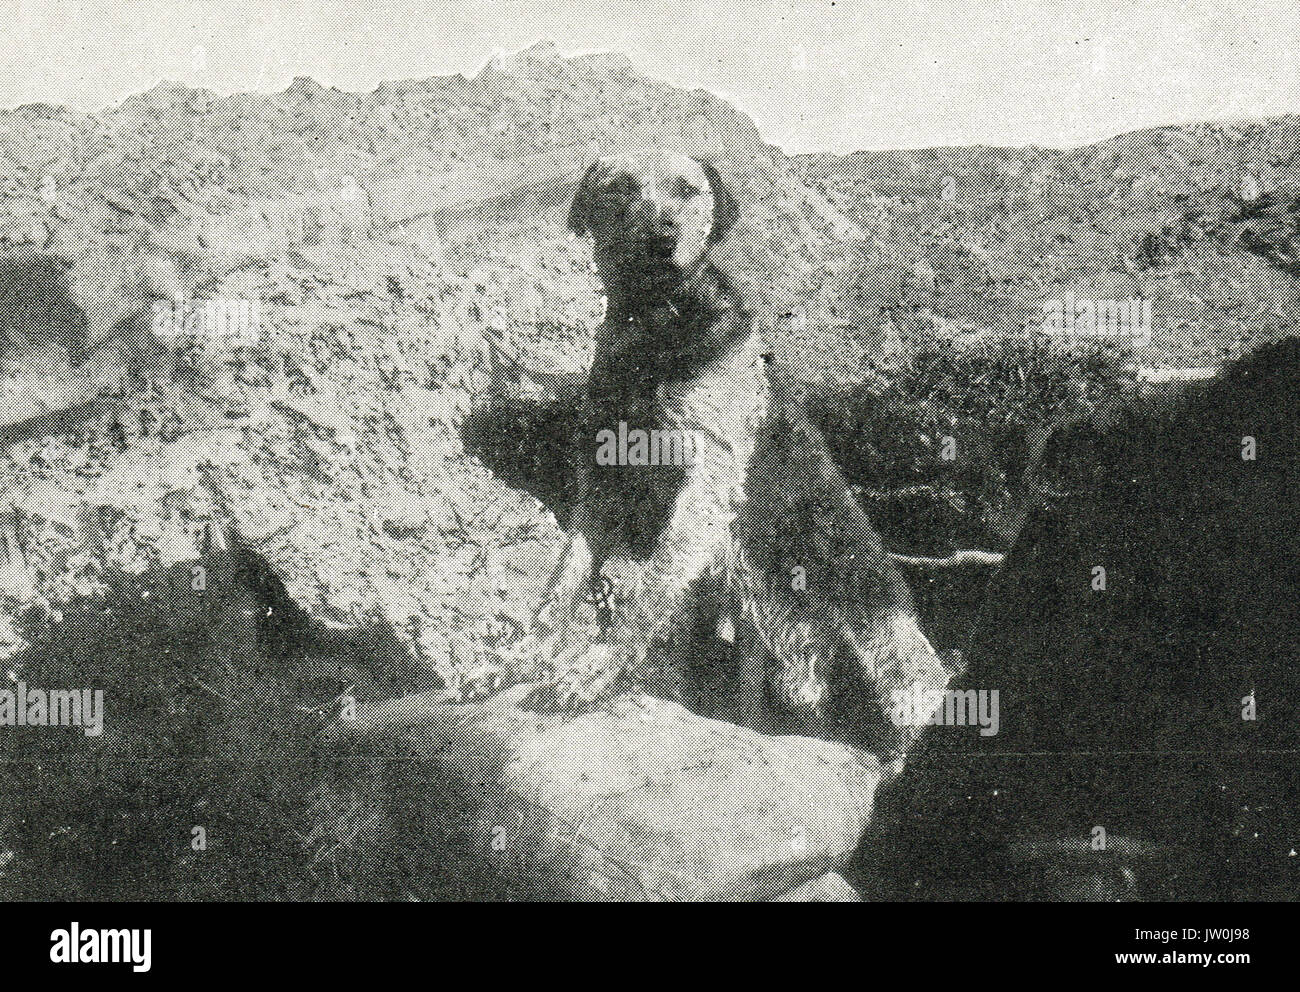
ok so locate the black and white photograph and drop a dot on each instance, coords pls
(580, 452)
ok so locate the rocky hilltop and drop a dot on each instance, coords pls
(240, 338)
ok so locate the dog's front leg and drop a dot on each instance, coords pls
(565, 592)
(640, 608)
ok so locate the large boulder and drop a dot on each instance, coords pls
(638, 800)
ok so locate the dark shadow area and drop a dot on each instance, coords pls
(47, 351)
(36, 307)
(211, 701)
(530, 445)
(68, 421)
(1123, 708)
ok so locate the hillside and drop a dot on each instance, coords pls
(981, 237)
(438, 163)
(245, 334)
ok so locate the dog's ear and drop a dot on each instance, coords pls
(725, 210)
(579, 212)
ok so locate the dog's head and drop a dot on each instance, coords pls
(652, 215)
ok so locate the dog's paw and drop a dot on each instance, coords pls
(580, 683)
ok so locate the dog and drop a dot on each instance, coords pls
(746, 580)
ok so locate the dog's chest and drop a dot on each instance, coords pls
(714, 418)
(720, 411)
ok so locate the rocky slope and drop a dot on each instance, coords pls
(242, 335)
(981, 237)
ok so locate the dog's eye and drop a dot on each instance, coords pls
(684, 189)
(625, 187)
